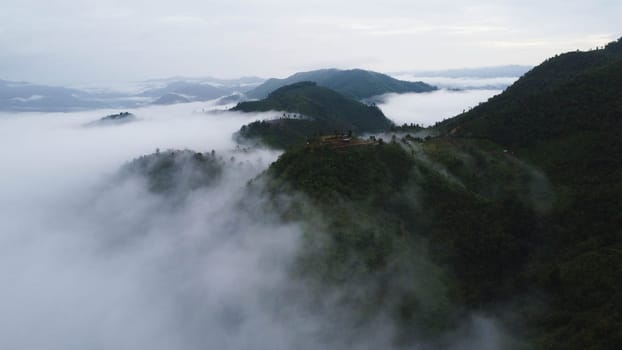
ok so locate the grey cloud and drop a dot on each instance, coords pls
(91, 260)
(72, 41)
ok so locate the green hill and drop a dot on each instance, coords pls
(565, 117)
(322, 111)
(515, 212)
(432, 236)
(175, 171)
(355, 83)
(571, 93)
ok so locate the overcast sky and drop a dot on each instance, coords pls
(111, 41)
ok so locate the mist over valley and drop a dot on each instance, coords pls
(278, 175)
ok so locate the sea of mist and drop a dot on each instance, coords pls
(89, 260)
(455, 95)
(428, 108)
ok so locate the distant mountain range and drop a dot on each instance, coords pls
(24, 96)
(575, 92)
(355, 83)
(484, 78)
(479, 72)
(180, 90)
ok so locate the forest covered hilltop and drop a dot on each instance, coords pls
(518, 201)
(310, 110)
(354, 83)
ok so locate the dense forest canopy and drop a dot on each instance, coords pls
(518, 199)
(317, 110)
(355, 83)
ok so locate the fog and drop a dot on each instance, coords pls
(461, 83)
(428, 108)
(497, 83)
(91, 260)
(87, 262)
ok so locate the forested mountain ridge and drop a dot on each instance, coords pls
(575, 91)
(565, 117)
(513, 211)
(321, 111)
(518, 201)
(355, 83)
(433, 237)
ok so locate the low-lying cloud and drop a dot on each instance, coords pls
(91, 260)
(87, 262)
(431, 107)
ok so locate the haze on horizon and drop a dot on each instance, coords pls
(106, 42)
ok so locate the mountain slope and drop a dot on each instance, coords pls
(182, 89)
(355, 83)
(430, 235)
(322, 111)
(519, 203)
(565, 116)
(194, 91)
(573, 92)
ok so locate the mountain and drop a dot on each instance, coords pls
(509, 216)
(239, 84)
(114, 119)
(191, 90)
(22, 96)
(317, 110)
(171, 98)
(162, 170)
(513, 211)
(410, 227)
(356, 83)
(181, 89)
(231, 99)
(565, 118)
(186, 89)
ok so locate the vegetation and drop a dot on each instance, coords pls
(518, 203)
(427, 245)
(118, 116)
(412, 127)
(514, 211)
(324, 111)
(565, 118)
(356, 83)
(176, 171)
(113, 119)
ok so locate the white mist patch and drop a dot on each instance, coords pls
(498, 83)
(87, 262)
(462, 83)
(91, 260)
(45, 152)
(428, 108)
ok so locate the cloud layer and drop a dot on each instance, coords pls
(92, 260)
(72, 41)
(429, 108)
